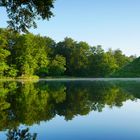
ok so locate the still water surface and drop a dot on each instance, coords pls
(70, 110)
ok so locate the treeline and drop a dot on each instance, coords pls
(26, 55)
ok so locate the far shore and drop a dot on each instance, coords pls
(71, 79)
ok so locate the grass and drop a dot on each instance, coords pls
(21, 78)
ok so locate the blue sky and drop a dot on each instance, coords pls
(110, 23)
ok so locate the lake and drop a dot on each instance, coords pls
(96, 109)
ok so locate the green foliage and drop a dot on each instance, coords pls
(101, 64)
(65, 48)
(25, 55)
(11, 71)
(4, 53)
(42, 72)
(3, 68)
(30, 54)
(23, 13)
(57, 66)
(130, 70)
(79, 59)
(120, 58)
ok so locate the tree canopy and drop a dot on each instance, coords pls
(26, 55)
(23, 13)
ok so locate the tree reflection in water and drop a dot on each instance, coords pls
(29, 103)
(18, 134)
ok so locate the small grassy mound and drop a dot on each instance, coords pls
(130, 70)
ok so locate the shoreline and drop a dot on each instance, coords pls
(70, 79)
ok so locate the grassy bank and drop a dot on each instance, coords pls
(25, 78)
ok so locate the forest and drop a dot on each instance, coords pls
(28, 55)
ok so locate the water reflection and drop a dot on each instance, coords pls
(29, 103)
(20, 134)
